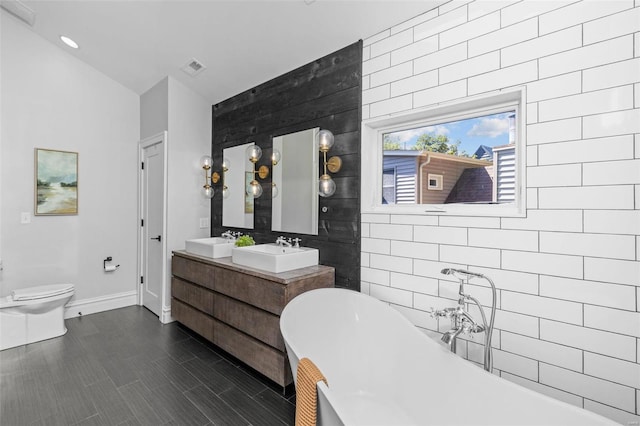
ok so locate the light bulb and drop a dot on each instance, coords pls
(207, 191)
(254, 189)
(274, 190)
(325, 140)
(326, 187)
(275, 157)
(206, 162)
(226, 164)
(225, 192)
(254, 152)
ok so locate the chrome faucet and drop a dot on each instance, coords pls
(283, 242)
(462, 321)
(231, 236)
(449, 338)
(296, 242)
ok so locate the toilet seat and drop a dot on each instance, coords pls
(40, 292)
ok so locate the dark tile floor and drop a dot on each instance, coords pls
(123, 367)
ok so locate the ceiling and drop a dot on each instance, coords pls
(242, 43)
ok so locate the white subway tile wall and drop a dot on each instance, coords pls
(568, 274)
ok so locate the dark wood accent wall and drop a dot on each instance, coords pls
(325, 93)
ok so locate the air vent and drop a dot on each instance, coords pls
(193, 67)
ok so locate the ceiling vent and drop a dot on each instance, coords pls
(19, 10)
(193, 67)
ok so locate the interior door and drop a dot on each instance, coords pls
(153, 223)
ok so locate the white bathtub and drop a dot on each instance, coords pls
(382, 370)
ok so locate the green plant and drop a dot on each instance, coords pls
(244, 240)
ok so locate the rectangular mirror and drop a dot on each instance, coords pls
(295, 182)
(237, 207)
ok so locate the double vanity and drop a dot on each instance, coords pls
(233, 297)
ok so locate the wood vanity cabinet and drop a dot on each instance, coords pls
(238, 308)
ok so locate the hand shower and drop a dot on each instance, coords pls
(464, 275)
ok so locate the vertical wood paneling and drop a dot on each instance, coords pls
(325, 93)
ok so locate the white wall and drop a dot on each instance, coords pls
(154, 109)
(568, 323)
(186, 116)
(52, 100)
(189, 139)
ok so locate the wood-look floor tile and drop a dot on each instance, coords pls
(208, 375)
(245, 382)
(123, 367)
(71, 403)
(249, 409)
(109, 402)
(276, 404)
(138, 398)
(180, 408)
(178, 375)
(218, 411)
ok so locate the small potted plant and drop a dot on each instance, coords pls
(244, 240)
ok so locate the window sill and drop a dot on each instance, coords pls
(484, 210)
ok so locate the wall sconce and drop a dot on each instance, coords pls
(275, 159)
(207, 163)
(254, 188)
(327, 186)
(207, 189)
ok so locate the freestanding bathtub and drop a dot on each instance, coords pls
(382, 370)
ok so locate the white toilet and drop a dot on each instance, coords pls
(32, 314)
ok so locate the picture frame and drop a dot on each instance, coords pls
(56, 182)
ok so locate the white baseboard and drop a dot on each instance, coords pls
(100, 304)
(166, 317)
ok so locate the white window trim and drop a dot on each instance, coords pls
(371, 165)
(437, 178)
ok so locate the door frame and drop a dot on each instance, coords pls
(142, 144)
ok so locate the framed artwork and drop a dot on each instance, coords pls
(248, 198)
(56, 179)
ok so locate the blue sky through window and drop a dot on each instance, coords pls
(490, 130)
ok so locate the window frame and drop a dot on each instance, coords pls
(372, 153)
(437, 178)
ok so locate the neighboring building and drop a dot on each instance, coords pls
(484, 152)
(504, 181)
(424, 177)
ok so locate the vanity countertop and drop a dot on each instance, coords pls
(282, 278)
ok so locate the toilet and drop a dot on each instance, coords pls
(33, 314)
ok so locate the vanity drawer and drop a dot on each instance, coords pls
(195, 272)
(264, 294)
(257, 323)
(267, 360)
(191, 294)
(197, 321)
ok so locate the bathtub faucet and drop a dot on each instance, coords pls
(462, 321)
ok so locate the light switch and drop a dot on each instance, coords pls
(25, 217)
(204, 222)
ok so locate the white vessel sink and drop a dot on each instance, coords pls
(273, 258)
(213, 247)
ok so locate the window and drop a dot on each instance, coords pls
(465, 157)
(434, 182)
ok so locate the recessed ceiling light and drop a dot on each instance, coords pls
(69, 42)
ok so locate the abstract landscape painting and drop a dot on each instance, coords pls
(56, 182)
